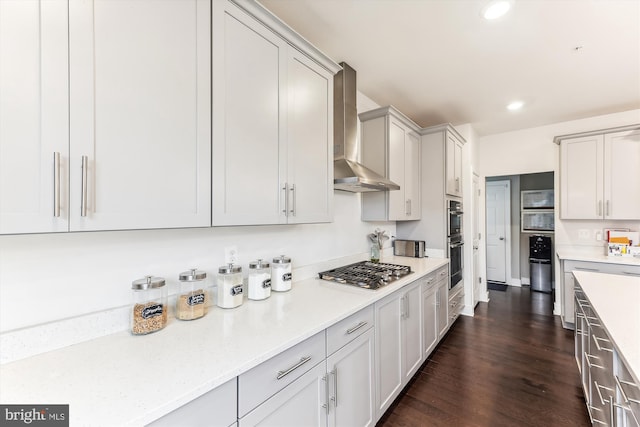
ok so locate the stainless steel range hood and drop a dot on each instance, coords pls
(349, 175)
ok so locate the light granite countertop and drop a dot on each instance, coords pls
(122, 379)
(592, 256)
(616, 299)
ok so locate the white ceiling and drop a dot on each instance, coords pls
(439, 61)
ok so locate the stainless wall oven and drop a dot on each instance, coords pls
(455, 241)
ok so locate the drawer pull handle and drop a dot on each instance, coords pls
(586, 269)
(630, 273)
(282, 374)
(596, 339)
(619, 383)
(588, 361)
(355, 328)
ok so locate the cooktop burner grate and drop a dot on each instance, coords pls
(366, 274)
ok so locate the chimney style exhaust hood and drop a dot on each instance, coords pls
(349, 175)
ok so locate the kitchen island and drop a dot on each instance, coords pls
(608, 345)
(122, 379)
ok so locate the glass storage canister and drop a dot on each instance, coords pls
(149, 310)
(281, 274)
(193, 298)
(229, 286)
(259, 280)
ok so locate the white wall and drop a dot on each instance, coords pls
(50, 277)
(532, 150)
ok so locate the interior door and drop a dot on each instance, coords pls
(497, 205)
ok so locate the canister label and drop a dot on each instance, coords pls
(152, 311)
(195, 299)
(266, 283)
(286, 277)
(236, 290)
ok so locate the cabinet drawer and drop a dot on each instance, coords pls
(348, 329)
(265, 380)
(456, 303)
(217, 407)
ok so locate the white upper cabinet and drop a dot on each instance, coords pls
(34, 116)
(391, 147)
(596, 178)
(140, 114)
(453, 154)
(121, 91)
(272, 125)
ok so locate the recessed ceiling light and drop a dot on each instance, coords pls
(496, 9)
(515, 105)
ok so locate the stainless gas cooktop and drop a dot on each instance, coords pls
(366, 274)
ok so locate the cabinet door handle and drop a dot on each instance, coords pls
(406, 299)
(335, 387)
(598, 387)
(293, 201)
(285, 188)
(282, 374)
(607, 210)
(586, 269)
(325, 405)
(599, 207)
(83, 197)
(56, 184)
(457, 184)
(355, 328)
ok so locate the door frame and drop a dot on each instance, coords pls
(476, 239)
(507, 226)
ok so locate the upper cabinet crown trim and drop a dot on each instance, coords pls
(383, 111)
(559, 138)
(443, 127)
(275, 24)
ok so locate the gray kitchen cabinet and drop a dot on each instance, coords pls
(594, 175)
(351, 383)
(93, 148)
(453, 170)
(398, 342)
(434, 308)
(442, 302)
(568, 282)
(391, 147)
(301, 403)
(272, 121)
(34, 113)
(215, 408)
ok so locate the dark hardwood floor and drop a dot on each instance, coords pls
(510, 365)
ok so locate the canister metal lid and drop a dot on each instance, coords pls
(192, 275)
(149, 282)
(281, 260)
(228, 269)
(258, 264)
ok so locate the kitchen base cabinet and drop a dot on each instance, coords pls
(442, 304)
(456, 303)
(302, 403)
(216, 408)
(430, 319)
(351, 383)
(398, 343)
(568, 282)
